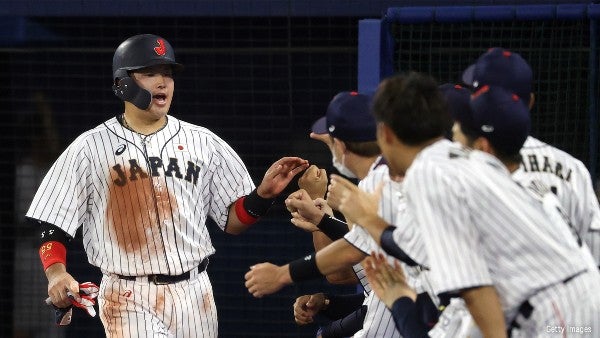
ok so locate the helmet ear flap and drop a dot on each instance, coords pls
(126, 89)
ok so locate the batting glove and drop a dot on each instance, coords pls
(87, 292)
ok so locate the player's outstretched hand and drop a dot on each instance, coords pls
(357, 206)
(279, 175)
(322, 204)
(304, 208)
(314, 181)
(266, 278)
(59, 283)
(306, 308)
(303, 223)
(389, 283)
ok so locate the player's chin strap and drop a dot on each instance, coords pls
(126, 89)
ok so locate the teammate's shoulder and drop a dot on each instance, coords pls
(533, 145)
(379, 172)
(440, 152)
(379, 166)
(193, 128)
(103, 127)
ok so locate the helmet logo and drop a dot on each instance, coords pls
(161, 49)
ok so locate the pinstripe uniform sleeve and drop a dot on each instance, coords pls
(355, 238)
(452, 243)
(360, 239)
(230, 181)
(62, 197)
(407, 235)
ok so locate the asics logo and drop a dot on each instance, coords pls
(120, 149)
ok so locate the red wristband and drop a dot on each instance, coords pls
(242, 214)
(53, 252)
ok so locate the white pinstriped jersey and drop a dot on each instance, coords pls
(375, 169)
(143, 201)
(481, 228)
(376, 173)
(572, 184)
(378, 320)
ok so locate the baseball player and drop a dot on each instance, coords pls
(267, 278)
(488, 241)
(465, 132)
(351, 129)
(142, 185)
(567, 176)
(389, 283)
(403, 241)
(348, 130)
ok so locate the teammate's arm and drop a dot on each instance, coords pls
(389, 284)
(266, 278)
(312, 215)
(248, 209)
(484, 305)
(339, 256)
(53, 253)
(346, 326)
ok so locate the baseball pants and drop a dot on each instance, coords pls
(139, 308)
(566, 309)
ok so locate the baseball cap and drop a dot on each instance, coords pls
(501, 67)
(458, 99)
(501, 117)
(348, 118)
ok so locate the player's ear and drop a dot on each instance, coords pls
(384, 133)
(483, 144)
(339, 143)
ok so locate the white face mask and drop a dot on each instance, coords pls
(341, 168)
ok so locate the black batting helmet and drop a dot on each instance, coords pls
(138, 52)
(141, 51)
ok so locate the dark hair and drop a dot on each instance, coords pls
(413, 107)
(364, 149)
(504, 157)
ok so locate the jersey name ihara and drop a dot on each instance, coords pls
(536, 163)
(172, 169)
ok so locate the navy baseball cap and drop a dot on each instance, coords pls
(501, 117)
(348, 118)
(458, 99)
(503, 68)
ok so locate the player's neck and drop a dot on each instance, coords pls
(512, 166)
(142, 125)
(410, 152)
(363, 165)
